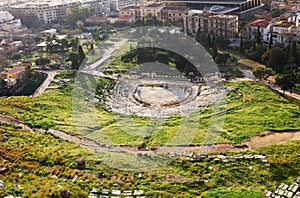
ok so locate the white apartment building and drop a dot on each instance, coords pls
(50, 11)
(285, 28)
(120, 4)
(43, 11)
(8, 22)
(264, 26)
(210, 23)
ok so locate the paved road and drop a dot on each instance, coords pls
(277, 88)
(45, 84)
(90, 69)
(249, 75)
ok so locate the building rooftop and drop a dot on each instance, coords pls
(16, 70)
(130, 7)
(259, 23)
(153, 5)
(175, 8)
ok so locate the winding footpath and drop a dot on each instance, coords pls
(264, 139)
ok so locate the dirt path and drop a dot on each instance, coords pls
(10, 120)
(264, 139)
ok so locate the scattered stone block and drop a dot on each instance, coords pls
(127, 192)
(105, 191)
(289, 194)
(94, 190)
(116, 192)
(138, 192)
(248, 156)
(92, 195)
(280, 192)
(75, 178)
(1, 184)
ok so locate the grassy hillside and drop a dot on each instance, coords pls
(251, 109)
(40, 165)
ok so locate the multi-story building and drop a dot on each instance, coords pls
(43, 12)
(261, 25)
(242, 8)
(210, 23)
(120, 4)
(154, 9)
(158, 10)
(285, 28)
(8, 23)
(97, 7)
(133, 11)
(173, 13)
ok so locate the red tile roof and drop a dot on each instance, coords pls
(259, 22)
(16, 69)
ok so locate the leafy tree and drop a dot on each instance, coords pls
(129, 56)
(27, 73)
(2, 83)
(285, 81)
(74, 58)
(222, 58)
(262, 72)
(74, 43)
(64, 43)
(275, 61)
(222, 42)
(16, 56)
(4, 61)
(42, 61)
(80, 24)
(138, 22)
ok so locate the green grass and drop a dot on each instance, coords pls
(251, 109)
(33, 158)
(250, 63)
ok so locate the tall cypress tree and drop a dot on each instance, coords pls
(241, 44)
(294, 51)
(81, 54)
(270, 41)
(215, 48)
(258, 36)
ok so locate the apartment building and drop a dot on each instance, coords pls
(120, 4)
(282, 29)
(210, 23)
(261, 25)
(133, 11)
(43, 11)
(8, 23)
(173, 13)
(51, 11)
(154, 9)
